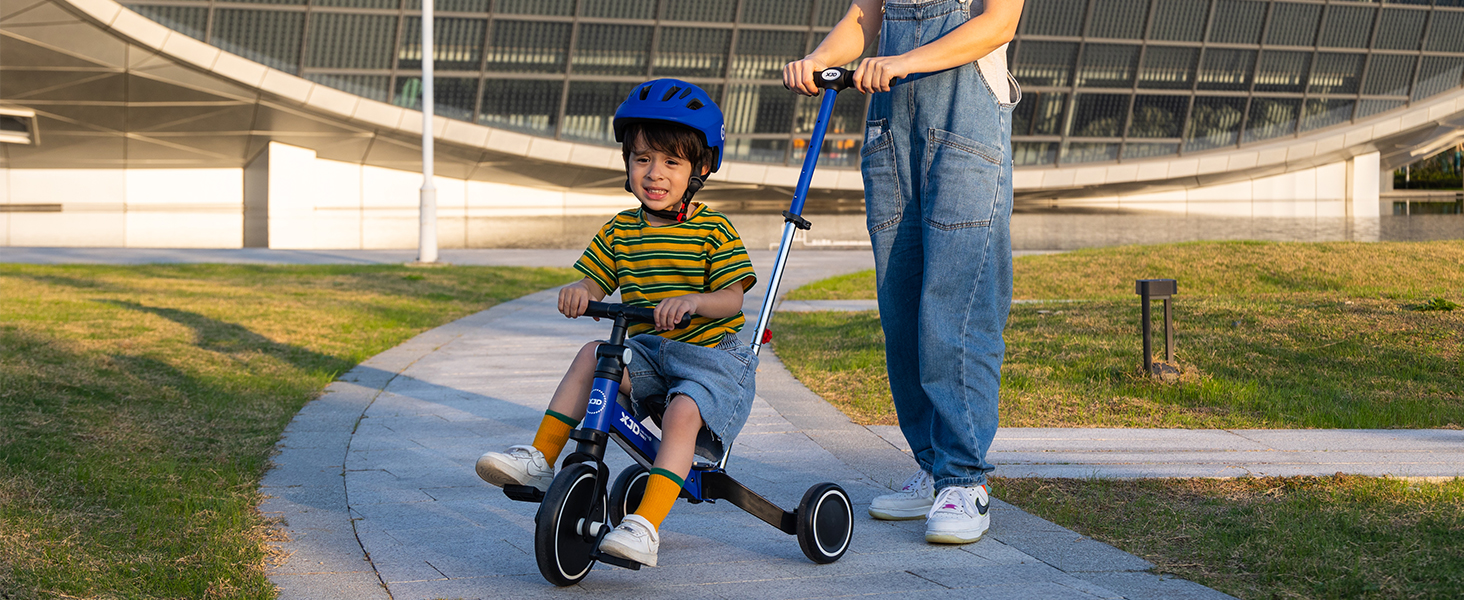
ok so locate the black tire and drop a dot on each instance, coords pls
(561, 550)
(626, 494)
(825, 523)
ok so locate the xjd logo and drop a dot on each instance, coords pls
(831, 74)
(634, 427)
(597, 402)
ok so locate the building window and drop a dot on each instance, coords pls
(1122, 19)
(1271, 118)
(1083, 152)
(701, 11)
(762, 54)
(620, 9)
(1168, 68)
(1439, 74)
(1158, 116)
(1325, 112)
(1180, 20)
(1227, 69)
(1283, 71)
(1389, 75)
(556, 8)
(687, 52)
(1336, 74)
(759, 109)
(1045, 63)
(1099, 115)
(1347, 26)
(527, 105)
(457, 44)
(367, 86)
(1034, 153)
(1241, 23)
(777, 12)
(528, 47)
(1293, 24)
(612, 49)
(1054, 17)
(1214, 122)
(1132, 150)
(1108, 66)
(189, 20)
(268, 37)
(1039, 113)
(452, 97)
(590, 109)
(1402, 29)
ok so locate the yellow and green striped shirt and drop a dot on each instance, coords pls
(648, 263)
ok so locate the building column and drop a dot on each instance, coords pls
(1364, 202)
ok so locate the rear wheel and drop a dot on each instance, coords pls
(626, 494)
(561, 545)
(825, 523)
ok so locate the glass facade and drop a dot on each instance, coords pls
(1103, 80)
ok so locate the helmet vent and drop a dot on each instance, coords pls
(671, 92)
(684, 94)
(694, 104)
(645, 91)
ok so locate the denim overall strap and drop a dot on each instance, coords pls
(938, 195)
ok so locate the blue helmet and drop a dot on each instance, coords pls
(674, 101)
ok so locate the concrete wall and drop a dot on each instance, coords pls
(136, 208)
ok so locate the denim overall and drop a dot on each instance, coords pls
(938, 194)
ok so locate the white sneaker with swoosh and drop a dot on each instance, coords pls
(959, 515)
(913, 501)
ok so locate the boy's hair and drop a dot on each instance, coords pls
(674, 139)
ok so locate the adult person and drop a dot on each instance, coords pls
(938, 194)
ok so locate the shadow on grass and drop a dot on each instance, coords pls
(231, 338)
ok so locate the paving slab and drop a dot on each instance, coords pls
(382, 475)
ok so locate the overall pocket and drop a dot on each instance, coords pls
(962, 178)
(882, 202)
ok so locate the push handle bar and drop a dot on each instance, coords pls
(607, 310)
(834, 78)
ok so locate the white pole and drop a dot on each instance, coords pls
(427, 240)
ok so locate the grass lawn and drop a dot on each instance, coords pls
(139, 406)
(1269, 336)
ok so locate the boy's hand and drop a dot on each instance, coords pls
(670, 311)
(574, 299)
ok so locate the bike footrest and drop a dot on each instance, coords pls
(623, 563)
(523, 493)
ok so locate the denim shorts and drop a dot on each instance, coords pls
(720, 380)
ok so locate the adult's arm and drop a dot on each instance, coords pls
(848, 39)
(977, 38)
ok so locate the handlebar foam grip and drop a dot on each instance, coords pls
(608, 310)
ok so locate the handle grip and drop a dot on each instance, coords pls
(608, 310)
(834, 78)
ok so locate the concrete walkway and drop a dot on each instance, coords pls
(375, 486)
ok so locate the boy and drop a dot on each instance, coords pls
(680, 258)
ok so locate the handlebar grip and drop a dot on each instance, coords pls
(834, 78)
(608, 310)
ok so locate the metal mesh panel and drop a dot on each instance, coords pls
(847, 117)
(452, 97)
(1158, 116)
(1180, 20)
(829, 12)
(188, 20)
(757, 150)
(720, 11)
(1227, 69)
(1367, 108)
(687, 52)
(1241, 23)
(1271, 118)
(759, 109)
(1214, 122)
(528, 47)
(1081, 152)
(590, 109)
(612, 49)
(367, 86)
(1294, 24)
(1169, 68)
(1389, 75)
(1099, 115)
(352, 41)
(1108, 65)
(472, 6)
(1336, 73)
(762, 54)
(1324, 112)
(620, 9)
(1443, 35)
(457, 44)
(1034, 153)
(268, 37)
(357, 3)
(1132, 150)
(1123, 19)
(777, 12)
(1347, 26)
(1054, 17)
(1282, 71)
(1438, 74)
(526, 105)
(1039, 113)
(558, 8)
(1045, 63)
(835, 153)
(266, 1)
(1402, 29)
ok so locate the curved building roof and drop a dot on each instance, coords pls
(1119, 94)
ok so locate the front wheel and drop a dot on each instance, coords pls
(561, 546)
(626, 494)
(825, 523)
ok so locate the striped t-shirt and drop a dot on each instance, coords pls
(651, 263)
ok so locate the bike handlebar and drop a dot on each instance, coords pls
(608, 310)
(834, 78)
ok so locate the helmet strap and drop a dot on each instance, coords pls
(695, 183)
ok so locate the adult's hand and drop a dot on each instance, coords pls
(798, 75)
(876, 74)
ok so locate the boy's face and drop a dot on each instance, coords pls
(658, 179)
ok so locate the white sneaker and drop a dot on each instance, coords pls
(522, 465)
(635, 539)
(911, 502)
(958, 515)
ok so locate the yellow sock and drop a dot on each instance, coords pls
(553, 433)
(662, 489)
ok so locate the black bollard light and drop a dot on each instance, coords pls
(1157, 289)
